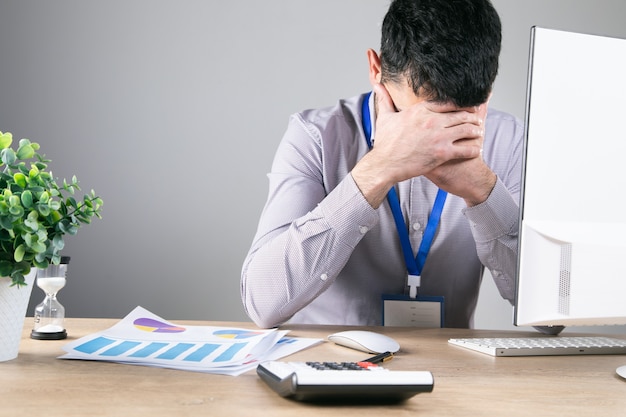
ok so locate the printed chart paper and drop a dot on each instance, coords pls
(142, 338)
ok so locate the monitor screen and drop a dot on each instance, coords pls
(572, 247)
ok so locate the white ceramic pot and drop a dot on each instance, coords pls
(13, 305)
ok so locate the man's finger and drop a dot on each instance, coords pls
(385, 103)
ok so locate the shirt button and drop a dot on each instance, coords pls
(417, 226)
(363, 229)
(323, 277)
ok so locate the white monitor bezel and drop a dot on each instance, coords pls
(571, 181)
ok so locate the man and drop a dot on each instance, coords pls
(327, 246)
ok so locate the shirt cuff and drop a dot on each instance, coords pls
(347, 211)
(495, 217)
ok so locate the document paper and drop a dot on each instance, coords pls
(142, 338)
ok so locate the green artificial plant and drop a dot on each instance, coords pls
(36, 212)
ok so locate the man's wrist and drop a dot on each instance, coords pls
(482, 191)
(372, 183)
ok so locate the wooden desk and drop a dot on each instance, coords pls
(466, 383)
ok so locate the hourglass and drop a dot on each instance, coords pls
(50, 314)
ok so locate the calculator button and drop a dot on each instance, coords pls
(342, 366)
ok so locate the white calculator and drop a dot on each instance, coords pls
(310, 381)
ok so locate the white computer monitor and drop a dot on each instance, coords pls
(572, 247)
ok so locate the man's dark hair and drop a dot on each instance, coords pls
(447, 49)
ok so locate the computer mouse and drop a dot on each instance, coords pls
(365, 341)
(621, 371)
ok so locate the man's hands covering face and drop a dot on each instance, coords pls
(439, 141)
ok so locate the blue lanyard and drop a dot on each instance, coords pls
(414, 265)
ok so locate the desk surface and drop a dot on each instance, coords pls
(466, 383)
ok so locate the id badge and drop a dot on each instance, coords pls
(404, 311)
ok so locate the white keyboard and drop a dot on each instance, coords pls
(544, 346)
(310, 381)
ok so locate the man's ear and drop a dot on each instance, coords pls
(374, 67)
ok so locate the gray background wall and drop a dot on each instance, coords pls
(172, 110)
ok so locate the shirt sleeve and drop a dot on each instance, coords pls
(495, 222)
(306, 234)
(494, 225)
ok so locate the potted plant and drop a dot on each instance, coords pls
(36, 213)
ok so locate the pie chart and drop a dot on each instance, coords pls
(236, 333)
(156, 326)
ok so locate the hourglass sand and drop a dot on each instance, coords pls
(50, 314)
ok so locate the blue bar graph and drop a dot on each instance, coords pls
(201, 353)
(176, 350)
(146, 351)
(120, 349)
(230, 352)
(94, 345)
